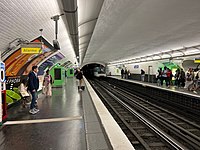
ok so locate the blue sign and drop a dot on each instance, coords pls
(3, 72)
(136, 66)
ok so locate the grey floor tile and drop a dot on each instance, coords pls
(96, 141)
(89, 111)
(91, 118)
(93, 127)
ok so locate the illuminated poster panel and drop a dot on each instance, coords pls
(50, 62)
(21, 64)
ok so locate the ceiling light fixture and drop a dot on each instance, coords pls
(167, 54)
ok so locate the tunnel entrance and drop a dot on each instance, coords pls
(93, 70)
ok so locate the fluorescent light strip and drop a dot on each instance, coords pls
(185, 51)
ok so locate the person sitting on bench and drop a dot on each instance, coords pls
(23, 91)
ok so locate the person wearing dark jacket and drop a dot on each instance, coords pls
(122, 73)
(182, 78)
(33, 85)
(142, 75)
(79, 76)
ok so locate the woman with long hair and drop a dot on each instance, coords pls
(47, 84)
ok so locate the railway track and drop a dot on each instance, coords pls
(183, 108)
(146, 125)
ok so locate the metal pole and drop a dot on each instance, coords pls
(56, 28)
(148, 72)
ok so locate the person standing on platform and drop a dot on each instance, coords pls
(79, 76)
(142, 75)
(47, 82)
(182, 78)
(177, 77)
(129, 74)
(33, 85)
(164, 77)
(122, 73)
(189, 79)
(169, 77)
(126, 74)
(159, 77)
(196, 81)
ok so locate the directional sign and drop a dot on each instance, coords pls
(31, 48)
(197, 60)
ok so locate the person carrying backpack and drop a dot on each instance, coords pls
(79, 76)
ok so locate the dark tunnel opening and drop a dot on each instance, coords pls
(93, 70)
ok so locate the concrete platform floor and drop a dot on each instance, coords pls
(61, 124)
(171, 88)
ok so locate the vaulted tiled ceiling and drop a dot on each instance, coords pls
(24, 18)
(88, 13)
(132, 28)
(124, 29)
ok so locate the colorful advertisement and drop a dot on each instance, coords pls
(19, 65)
(49, 62)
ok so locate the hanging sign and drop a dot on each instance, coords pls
(197, 60)
(136, 66)
(31, 48)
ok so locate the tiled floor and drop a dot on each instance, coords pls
(79, 133)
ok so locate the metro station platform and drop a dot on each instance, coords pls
(69, 120)
(154, 85)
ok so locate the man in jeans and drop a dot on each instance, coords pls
(33, 85)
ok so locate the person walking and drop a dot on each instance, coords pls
(79, 76)
(47, 82)
(33, 85)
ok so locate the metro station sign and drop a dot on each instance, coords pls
(31, 48)
(197, 60)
